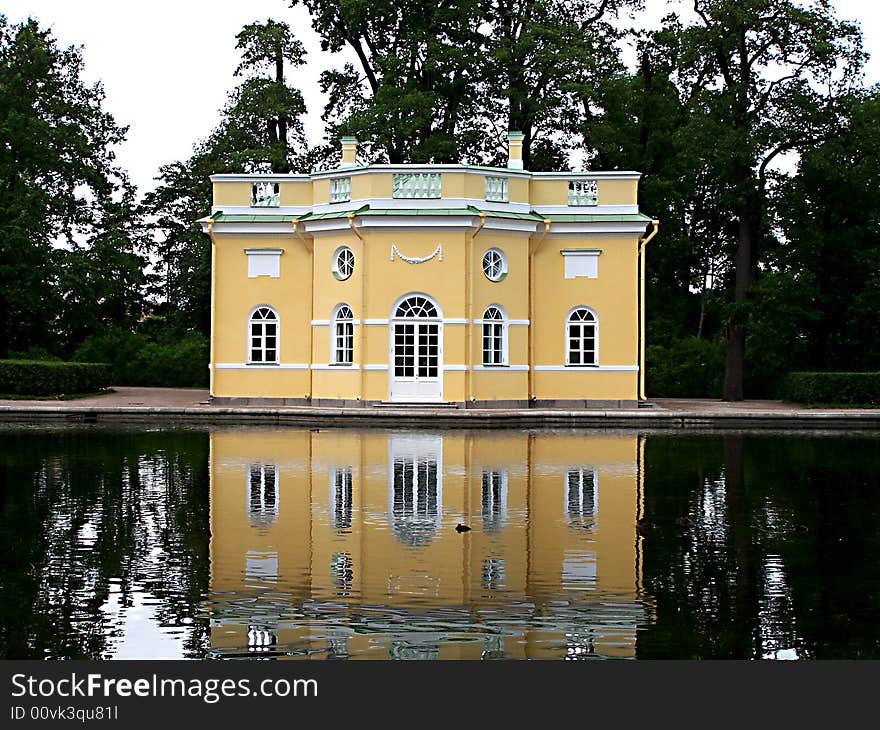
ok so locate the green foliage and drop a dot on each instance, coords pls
(174, 360)
(444, 82)
(60, 185)
(260, 130)
(43, 377)
(832, 388)
(688, 368)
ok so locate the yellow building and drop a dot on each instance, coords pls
(428, 283)
(343, 543)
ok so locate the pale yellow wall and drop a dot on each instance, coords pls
(453, 184)
(534, 540)
(237, 295)
(375, 185)
(613, 296)
(618, 192)
(232, 193)
(518, 189)
(297, 193)
(548, 192)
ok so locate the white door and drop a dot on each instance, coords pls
(416, 369)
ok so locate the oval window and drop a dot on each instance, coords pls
(343, 263)
(494, 265)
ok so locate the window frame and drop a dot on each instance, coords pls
(503, 274)
(502, 324)
(249, 335)
(336, 322)
(337, 273)
(567, 339)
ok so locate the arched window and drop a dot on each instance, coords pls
(494, 337)
(581, 338)
(415, 307)
(263, 336)
(343, 336)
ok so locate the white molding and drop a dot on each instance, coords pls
(296, 210)
(375, 322)
(620, 228)
(351, 206)
(455, 320)
(551, 210)
(586, 368)
(589, 175)
(509, 322)
(327, 322)
(252, 177)
(416, 168)
(259, 366)
(264, 251)
(280, 229)
(502, 368)
(446, 368)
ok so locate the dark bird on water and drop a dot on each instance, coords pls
(462, 528)
(644, 527)
(682, 522)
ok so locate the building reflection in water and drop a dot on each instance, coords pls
(372, 567)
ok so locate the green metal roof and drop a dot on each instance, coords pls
(599, 218)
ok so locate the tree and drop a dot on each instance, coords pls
(63, 198)
(262, 119)
(260, 130)
(414, 98)
(767, 74)
(544, 60)
(829, 257)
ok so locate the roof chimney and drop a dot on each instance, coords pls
(349, 151)
(514, 150)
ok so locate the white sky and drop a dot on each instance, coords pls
(167, 65)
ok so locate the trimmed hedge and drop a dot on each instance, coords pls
(179, 361)
(845, 388)
(687, 368)
(44, 377)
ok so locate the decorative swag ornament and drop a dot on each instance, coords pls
(438, 252)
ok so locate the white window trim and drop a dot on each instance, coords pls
(595, 363)
(504, 322)
(503, 256)
(333, 325)
(334, 267)
(248, 322)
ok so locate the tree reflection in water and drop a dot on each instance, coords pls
(93, 523)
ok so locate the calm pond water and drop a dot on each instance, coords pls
(330, 544)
